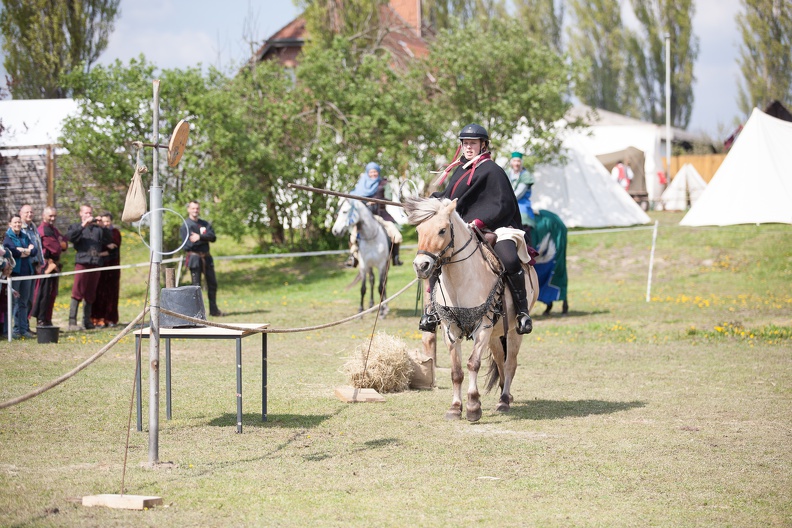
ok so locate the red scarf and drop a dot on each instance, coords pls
(478, 159)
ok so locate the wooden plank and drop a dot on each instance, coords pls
(353, 395)
(125, 502)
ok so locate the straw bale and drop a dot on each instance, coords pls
(388, 368)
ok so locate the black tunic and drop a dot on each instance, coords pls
(489, 197)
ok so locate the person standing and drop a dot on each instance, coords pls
(53, 244)
(89, 239)
(199, 234)
(26, 214)
(522, 181)
(105, 308)
(23, 250)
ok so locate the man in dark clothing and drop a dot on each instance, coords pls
(53, 244)
(105, 308)
(485, 199)
(90, 240)
(199, 260)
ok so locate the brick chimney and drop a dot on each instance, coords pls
(410, 11)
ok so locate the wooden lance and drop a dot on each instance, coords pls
(343, 195)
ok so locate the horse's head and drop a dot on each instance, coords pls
(432, 219)
(348, 215)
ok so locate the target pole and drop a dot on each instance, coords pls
(155, 238)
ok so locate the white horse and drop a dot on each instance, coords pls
(470, 300)
(373, 244)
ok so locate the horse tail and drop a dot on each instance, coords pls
(358, 278)
(493, 376)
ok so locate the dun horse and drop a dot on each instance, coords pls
(373, 244)
(470, 299)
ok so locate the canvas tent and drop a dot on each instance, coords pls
(684, 190)
(637, 161)
(582, 192)
(754, 183)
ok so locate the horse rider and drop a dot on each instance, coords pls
(485, 199)
(371, 185)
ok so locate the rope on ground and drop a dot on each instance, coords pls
(267, 330)
(76, 369)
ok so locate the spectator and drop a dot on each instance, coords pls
(199, 233)
(522, 181)
(23, 250)
(105, 307)
(90, 240)
(53, 243)
(7, 264)
(26, 214)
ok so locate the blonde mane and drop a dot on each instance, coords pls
(420, 210)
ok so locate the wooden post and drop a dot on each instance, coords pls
(170, 278)
(50, 176)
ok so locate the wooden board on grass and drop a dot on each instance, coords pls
(125, 502)
(353, 395)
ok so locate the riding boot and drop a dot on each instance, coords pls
(516, 283)
(396, 260)
(87, 323)
(73, 308)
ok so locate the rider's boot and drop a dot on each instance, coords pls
(396, 260)
(73, 308)
(429, 320)
(87, 323)
(351, 261)
(516, 283)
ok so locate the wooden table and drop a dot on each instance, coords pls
(205, 332)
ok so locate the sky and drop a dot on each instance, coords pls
(183, 33)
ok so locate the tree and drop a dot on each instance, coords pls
(658, 17)
(599, 43)
(44, 39)
(543, 21)
(452, 14)
(505, 80)
(765, 54)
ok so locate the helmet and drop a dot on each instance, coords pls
(474, 131)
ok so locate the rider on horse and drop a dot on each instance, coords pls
(371, 185)
(485, 199)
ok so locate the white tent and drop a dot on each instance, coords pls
(583, 193)
(686, 185)
(754, 183)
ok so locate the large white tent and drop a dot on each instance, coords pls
(754, 183)
(583, 193)
(687, 186)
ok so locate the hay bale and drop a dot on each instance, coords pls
(388, 368)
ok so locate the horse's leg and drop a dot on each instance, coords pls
(497, 358)
(455, 412)
(371, 291)
(510, 369)
(362, 290)
(473, 406)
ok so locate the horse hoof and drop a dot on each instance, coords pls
(474, 416)
(454, 414)
(502, 407)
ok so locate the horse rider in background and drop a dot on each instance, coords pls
(372, 185)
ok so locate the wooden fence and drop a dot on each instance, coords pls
(706, 165)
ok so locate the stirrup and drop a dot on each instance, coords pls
(524, 323)
(428, 322)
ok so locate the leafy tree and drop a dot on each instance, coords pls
(44, 39)
(598, 41)
(501, 79)
(543, 20)
(658, 17)
(765, 56)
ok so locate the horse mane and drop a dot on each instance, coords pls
(422, 209)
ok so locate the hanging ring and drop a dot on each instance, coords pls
(184, 242)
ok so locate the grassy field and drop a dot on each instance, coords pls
(675, 412)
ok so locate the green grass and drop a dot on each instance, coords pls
(675, 412)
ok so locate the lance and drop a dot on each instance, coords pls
(343, 195)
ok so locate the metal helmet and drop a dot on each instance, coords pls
(474, 131)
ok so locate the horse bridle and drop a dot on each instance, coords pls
(438, 261)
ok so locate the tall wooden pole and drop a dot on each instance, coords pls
(154, 290)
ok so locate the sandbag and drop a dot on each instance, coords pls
(135, 206)
(423, 375)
